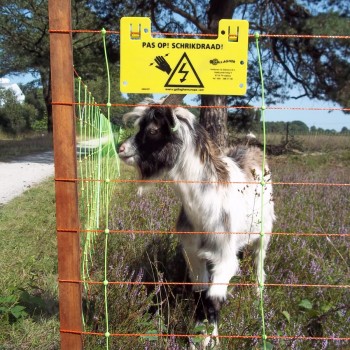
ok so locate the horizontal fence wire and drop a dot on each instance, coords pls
(277, 337)
(160, 181)
(170, 232)
(263, 35)
(233, 284)
(162, 335)
(62, 103)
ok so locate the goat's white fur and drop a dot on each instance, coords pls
(204, 207)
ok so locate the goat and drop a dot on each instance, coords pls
(221, 195)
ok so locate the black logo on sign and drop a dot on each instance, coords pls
(184, 75)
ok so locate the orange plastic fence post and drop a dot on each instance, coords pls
(67, 216)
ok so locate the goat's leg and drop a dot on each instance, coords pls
(207, 321)
(199, 274)
(206, 309)
(197, 268)
(221, 266)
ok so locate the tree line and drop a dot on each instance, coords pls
(248, 120)
(296, 127)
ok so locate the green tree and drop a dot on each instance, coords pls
(276, 127)
(298, 127)
(15, 117)
(244, 120)
(344, 130)
(33, 93)
(24, 42)
(313, 129)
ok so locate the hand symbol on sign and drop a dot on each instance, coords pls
(162, 64)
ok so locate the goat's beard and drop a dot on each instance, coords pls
(130, 160)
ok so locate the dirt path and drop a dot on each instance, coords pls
(19, 175)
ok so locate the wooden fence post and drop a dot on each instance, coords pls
(67, 215)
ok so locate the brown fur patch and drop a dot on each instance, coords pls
(248, 159)
(210, 154)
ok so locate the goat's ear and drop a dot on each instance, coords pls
(171, 119)
(166, 115)
(173, 99)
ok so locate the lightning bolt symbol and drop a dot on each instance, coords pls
(185, 72)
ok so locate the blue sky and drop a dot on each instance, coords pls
(321, 119)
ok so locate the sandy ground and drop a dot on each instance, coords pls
(21, 174)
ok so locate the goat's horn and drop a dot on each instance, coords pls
(173, 99)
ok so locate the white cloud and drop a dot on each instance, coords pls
(5, 83)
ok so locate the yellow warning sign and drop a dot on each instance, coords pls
(193, 66)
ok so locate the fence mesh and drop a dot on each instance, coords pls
(130, 307)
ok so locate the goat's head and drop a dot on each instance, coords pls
(156, 146)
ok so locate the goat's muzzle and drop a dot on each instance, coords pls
(127, 152)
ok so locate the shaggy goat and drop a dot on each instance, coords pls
(221, 194)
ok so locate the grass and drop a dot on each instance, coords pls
(28, 282)
(312, 142)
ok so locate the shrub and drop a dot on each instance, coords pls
(15, 117)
